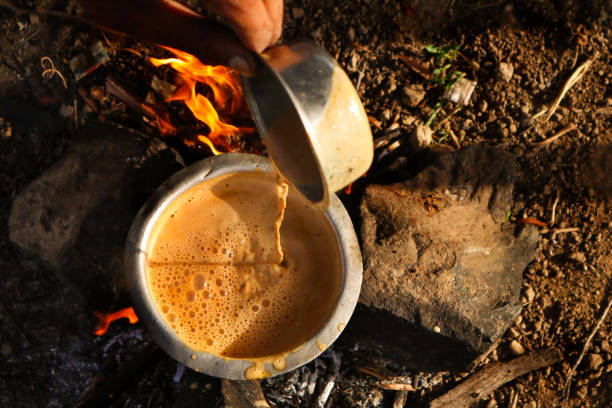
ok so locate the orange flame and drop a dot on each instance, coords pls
(349, 189)
(104, 320)
(227, 96)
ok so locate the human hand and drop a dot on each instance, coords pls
(258, 23)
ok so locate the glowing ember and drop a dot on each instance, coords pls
(104, 320)
(227, 96)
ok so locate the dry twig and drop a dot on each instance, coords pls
(568, 382)
(564, 230)
(539, 145)
(493, 376)
(452, 135)
(364, 66)
(571, 81)
(50, 71)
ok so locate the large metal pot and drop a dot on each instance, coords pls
(162, 333)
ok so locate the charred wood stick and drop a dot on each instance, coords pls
(153, 113)
(116, 89)
(494, 376)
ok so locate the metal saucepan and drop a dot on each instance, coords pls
(136, 261)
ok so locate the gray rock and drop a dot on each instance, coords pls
(74, 216)
(438, 253)
(504, 71)
(413, 94)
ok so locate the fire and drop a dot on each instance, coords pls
(349, 189)
(227, 95)
(104, 320)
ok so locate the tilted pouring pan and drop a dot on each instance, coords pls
(136, 271)
(289, 99)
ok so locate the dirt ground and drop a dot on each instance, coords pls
(565, 184)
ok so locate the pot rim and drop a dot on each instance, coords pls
(162, 333)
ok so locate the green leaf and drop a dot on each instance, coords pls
(454, 77)
(432, 49)
(435, 112)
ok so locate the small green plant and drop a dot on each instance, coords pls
(508, 214)
(443, 53)
(443, 75)
(444, 58)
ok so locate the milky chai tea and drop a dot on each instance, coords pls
(236, 274)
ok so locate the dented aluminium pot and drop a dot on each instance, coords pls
(162, 333)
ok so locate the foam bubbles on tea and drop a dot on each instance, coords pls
(215, 271)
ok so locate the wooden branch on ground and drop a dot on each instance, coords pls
(243, 394)
(493, 376)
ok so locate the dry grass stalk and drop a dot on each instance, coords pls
(555, 231)
(362, 71)
(452, 135)
(571, 81)
(50, 71)
(445, 120)
(554, 208)
(539, 145)
(540, 113)
(395, 386)
(568, 382)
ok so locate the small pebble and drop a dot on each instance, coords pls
(504, 71)
(513, 333)
(517, 348)
(593, 361)
(529, 294)
(484, 105)
(492, 403)
(605, 346)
